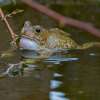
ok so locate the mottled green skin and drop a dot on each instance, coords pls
(53, 38)
(48, 39)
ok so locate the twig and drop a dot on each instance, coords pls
(14, 13)
(13, 35)
(62, 19)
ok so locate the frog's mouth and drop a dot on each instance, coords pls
(28, 43)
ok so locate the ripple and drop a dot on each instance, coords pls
(55, 84)
(55, 95)
(58, 59)
(57, 75)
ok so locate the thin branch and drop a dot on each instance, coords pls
(13, 35)
(62, 19)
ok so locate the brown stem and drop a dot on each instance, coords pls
(62, 19)
(7, 24)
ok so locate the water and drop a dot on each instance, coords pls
(73, 75)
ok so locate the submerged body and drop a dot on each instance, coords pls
(37, 37)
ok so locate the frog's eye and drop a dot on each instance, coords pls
(37, 29)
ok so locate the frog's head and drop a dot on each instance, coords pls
(32, 31)
(32, 36)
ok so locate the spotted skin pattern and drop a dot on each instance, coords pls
(52, 38)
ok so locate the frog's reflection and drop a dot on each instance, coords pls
(25, 81)
(31, 61)
(34, 76)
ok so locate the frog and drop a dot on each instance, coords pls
(46, 41)
(36, 37)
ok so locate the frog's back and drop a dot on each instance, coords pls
(60, 39)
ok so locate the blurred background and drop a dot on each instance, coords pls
(74, 76)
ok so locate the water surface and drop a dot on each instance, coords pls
(74, 75)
